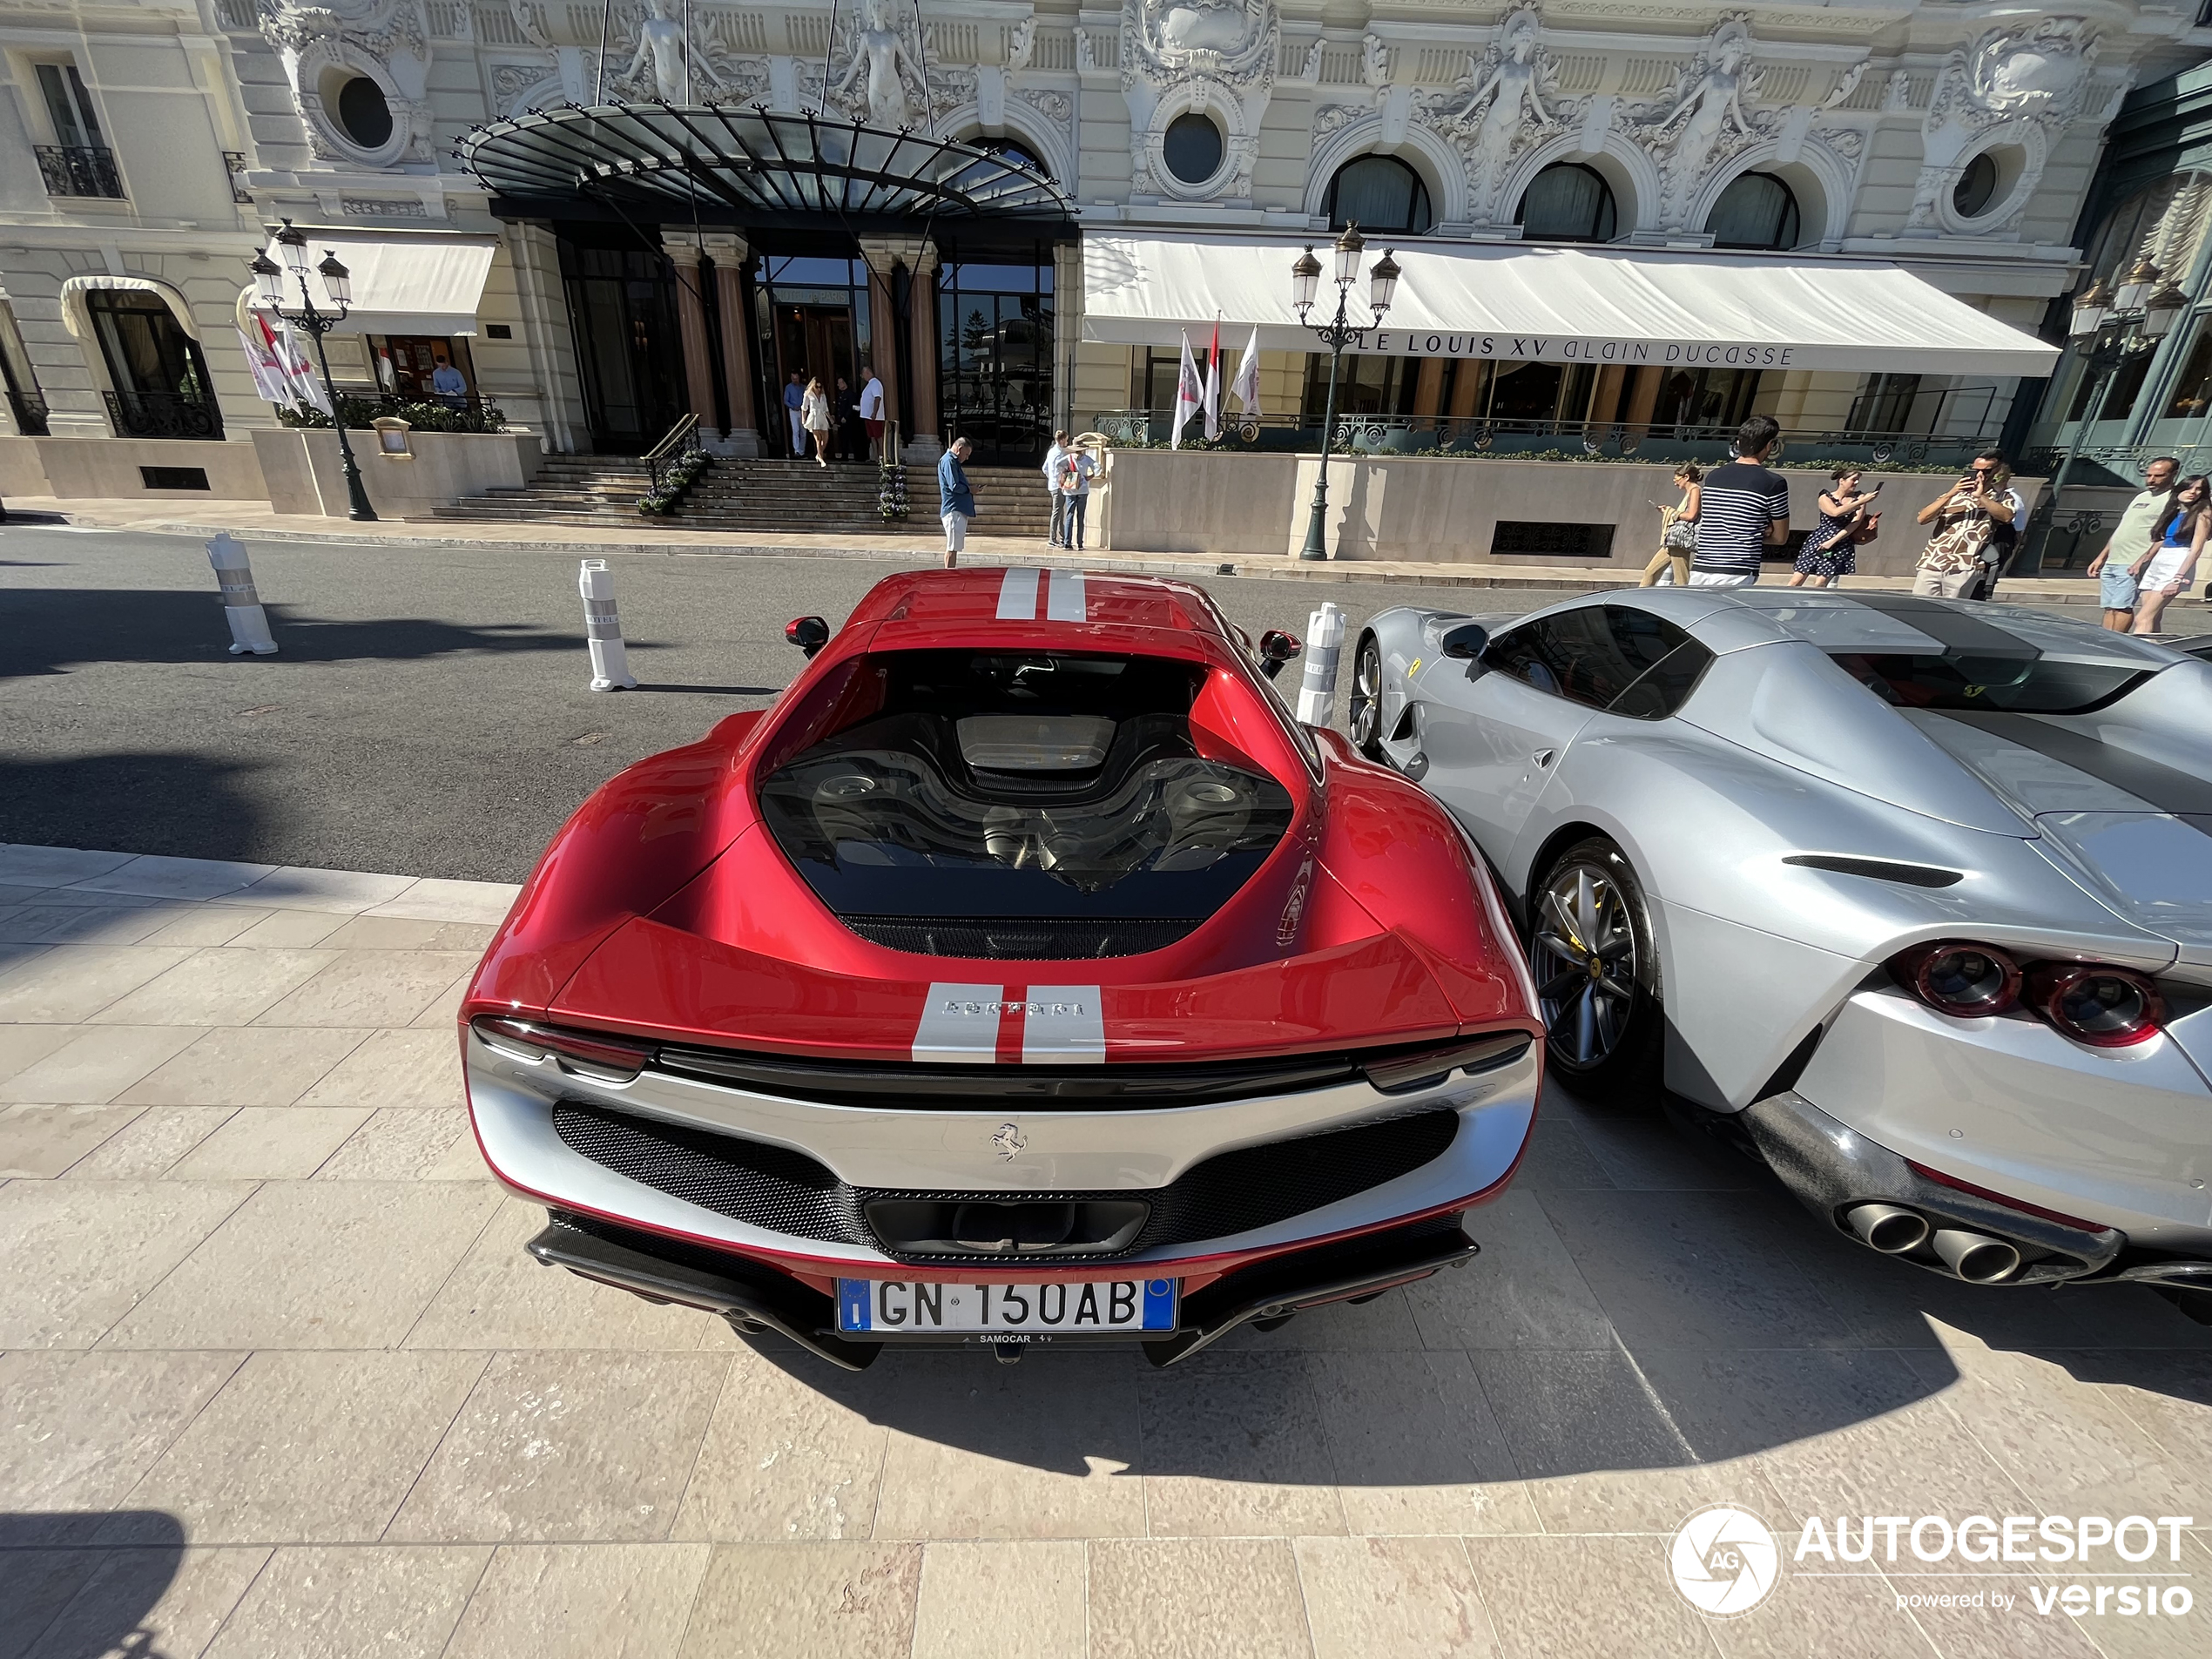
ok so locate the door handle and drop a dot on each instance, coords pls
(1544, 757)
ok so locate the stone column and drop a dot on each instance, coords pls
(924, 444)
(699, 355)
(729, 254)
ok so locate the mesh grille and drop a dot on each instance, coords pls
(1019, 939)
(749, 1181)
(787, 1192)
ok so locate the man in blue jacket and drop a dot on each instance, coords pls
(954, 499)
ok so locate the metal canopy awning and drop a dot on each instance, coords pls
(722, 163)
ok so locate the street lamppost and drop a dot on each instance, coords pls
(2109, 330)
(338, 283)
(1305, 280)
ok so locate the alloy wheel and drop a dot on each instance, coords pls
(1585, 961)
(1367, 699)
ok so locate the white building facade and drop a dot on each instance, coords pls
(146, 150)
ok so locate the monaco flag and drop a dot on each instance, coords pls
(1189, 395)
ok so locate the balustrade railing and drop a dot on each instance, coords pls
(78, 170)
(164, 414)
(30, 410)
(1537, 440)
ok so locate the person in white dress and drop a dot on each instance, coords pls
(2168, 567)
(814, 414)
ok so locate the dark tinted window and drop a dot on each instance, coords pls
(1607, 657)
(2023, 685)
(1041, 787)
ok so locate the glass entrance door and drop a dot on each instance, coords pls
(622, 305)
(994, 358)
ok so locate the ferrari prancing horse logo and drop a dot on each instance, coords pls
(1010, 1140)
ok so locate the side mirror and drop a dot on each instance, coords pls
(1465, 642)
(1277, 647)
(810, 634)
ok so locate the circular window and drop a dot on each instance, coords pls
(1568, 202)
(364, 114)
(1977, 187)
(1756, 210)
(1192, 147)
(1381, 193)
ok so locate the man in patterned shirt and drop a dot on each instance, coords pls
(1743, 510)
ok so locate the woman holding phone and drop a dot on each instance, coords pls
(2165, 570)
(1847, 517)
(1678, 531)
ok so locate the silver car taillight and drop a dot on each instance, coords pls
(2106, 1008)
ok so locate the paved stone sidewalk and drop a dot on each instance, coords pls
(276, 1380)
(258, 522)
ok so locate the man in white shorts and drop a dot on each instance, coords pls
(1743, 510)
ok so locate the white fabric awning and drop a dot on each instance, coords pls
(1631, 306)
(414, 285)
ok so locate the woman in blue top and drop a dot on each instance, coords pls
(2167, 569)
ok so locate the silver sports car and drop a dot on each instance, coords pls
(1912, 897)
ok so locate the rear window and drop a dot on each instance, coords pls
(2022, 685)
(1037, 803)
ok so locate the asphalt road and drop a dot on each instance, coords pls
(429, 712)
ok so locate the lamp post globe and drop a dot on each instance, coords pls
(1382, 283)
(337, 282)
(268, 280)
(1306, 282)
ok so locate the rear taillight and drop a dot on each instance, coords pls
(1967, 980)
(588, 1054)
(2106, 1008)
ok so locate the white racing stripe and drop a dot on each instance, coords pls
(960, 1023)
(1018, 595)
(1067, 602)
(1064, 1023)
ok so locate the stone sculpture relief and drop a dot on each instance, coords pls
(1179, 55)
(676, 74)
(1702, 122)
(385, 40)
(881, 80)
(2013, 91)
(1509, 103)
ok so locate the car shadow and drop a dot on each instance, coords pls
(1646, 1300)
(70, 1601)
(52, 630)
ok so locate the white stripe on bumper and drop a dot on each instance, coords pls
(1064, 1023)
(959, 1022)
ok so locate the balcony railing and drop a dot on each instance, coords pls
(1539, 440)
(234, 164)
(79, 170)
(30, 410)
(164, 414)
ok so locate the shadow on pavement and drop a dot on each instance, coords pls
(82, 801)
(1645, 1300)
(53, 629)
(70, 1601)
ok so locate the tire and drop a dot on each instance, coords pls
(1366, 707)
(1600, 1007)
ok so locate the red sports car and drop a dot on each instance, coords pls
(1026, 972)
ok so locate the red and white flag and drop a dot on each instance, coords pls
(1189, 395)
(1213, 384)
(1245, 387)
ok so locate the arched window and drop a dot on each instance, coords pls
(1756, 210)
(1567, 202)
(1382, 195)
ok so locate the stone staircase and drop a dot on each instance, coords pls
(760, 498)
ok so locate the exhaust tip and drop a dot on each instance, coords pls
(1889, 1228)
(1976, 1257)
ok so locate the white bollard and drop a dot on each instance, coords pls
(241, 605)
(603, 627)
(1316, 694)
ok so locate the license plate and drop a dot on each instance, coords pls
(896, 1307)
